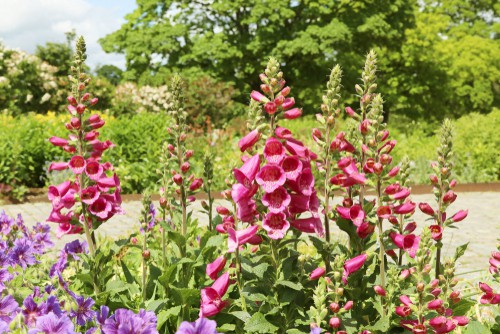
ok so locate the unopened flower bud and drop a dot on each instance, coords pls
(85, 97)
(81, 87)
(72, 100)
(80, 109)
(385, 159)
(347, 202)
(350, 112)
(285, 91)
(420, 286)
(379, 290)
(188, 154)
(359, 90)
(178, 179)
(453, 183)
(270, 108)
(340, 291)
(94, 101)
(185, 167)
(334, 307)
(444, 171)
(433, 179)
(427, 268)
(133, 240)
(265, 88)
(349, 304)
(334, 322)
(182, 137)
(204, 205)
(263, 77)
(163, 202)
(75, 123)
(146, 254)
(324, 108)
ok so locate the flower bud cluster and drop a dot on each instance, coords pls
(93, 196)
(176, 155)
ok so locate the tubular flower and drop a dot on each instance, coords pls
(211, 297)
(353, 265)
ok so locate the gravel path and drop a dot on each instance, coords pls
(481, 228)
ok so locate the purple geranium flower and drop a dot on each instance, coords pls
(4, 327)
(84, 312)
(200, 326)
(76, 247)
(51, 324)
(8, 308)
(102, 315)
(51, 305)
(5, 276)
(31, 311)
(22, 253)
(127, 322)
(5, 223)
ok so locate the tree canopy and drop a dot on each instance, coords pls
(436, 58)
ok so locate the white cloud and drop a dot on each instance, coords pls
(27, 23)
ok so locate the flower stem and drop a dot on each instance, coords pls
(239, 279)
(144, 268)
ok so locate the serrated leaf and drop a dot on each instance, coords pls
(462, 307)
(259, 324)
(164, 315)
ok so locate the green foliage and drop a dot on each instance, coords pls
(230, 40)
(111, 72)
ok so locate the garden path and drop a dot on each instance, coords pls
(481, 228)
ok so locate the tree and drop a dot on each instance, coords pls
(231, 40)
(112, 73)
(59, 55)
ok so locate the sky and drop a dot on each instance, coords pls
(26, 23)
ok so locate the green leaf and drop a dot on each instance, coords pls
(475, 327)
(381, 326)
(259, 324)
(164, 315)
(242, 315)
(185, 296)
(291, 285)
(462, 307)
(460, 251)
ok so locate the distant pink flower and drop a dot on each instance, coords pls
(211, 297)
(354, 213)
(436, 232)
(317, 273)
(365, 229)
(215, 267)
(58, 166)
(270, 177)
(379, 290)
(276, 225)
(308, 225)
(196, 184)
(459, 216)
(246, 211)
(259, 97)
(77, 164)
(56, 141)
(449, 197)
(274, 152)
(237, 238)
(283, 133)
(94, 170)
(292, 167)
(384, 212)
(292, 113)
(403, 311)
(249, 140)
(408, 242)
(277, 200)
(90, 195)
(241, 193)
(405, 208)
(489, 296)
(426, 208)
(101, 208)
(353, 265)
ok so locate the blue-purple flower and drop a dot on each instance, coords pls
(200, 326)
(52, 324)
(127, 322)
(5, 223)
(84, 311)
(23, 253)
(8, 308)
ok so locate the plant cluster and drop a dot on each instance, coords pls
(268, 261)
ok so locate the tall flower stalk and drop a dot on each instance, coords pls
(443, 184)
(323, 136)
(93, 196)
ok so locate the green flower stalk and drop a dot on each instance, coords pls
(330, 112)
(208, 175)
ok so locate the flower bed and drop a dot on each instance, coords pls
(265, 264)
